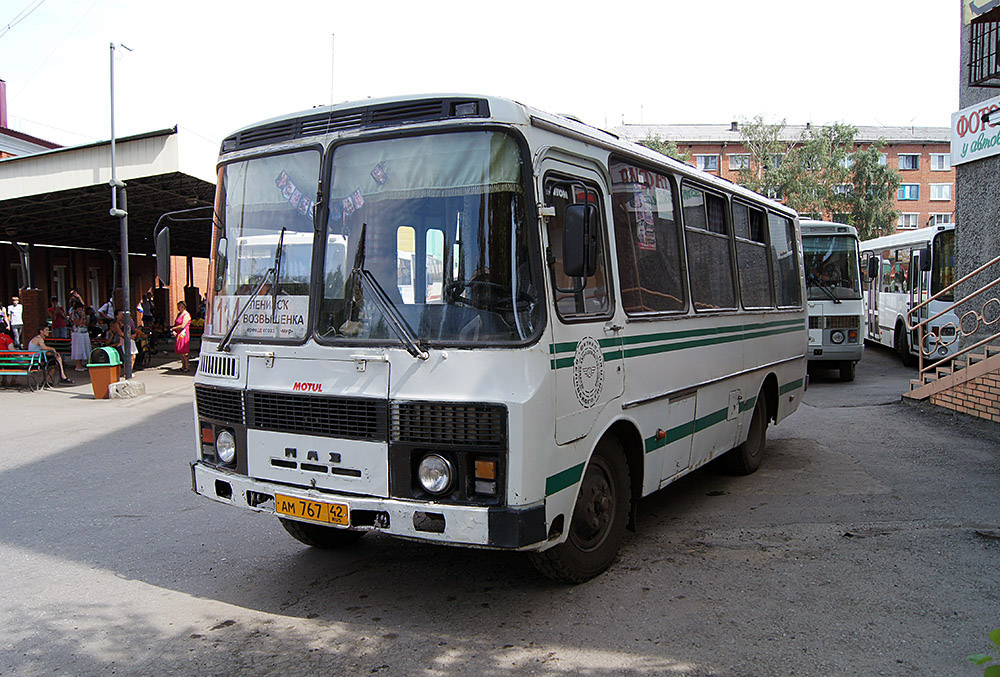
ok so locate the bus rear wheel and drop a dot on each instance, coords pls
(319, 536)
(746, 458)
(597, 527)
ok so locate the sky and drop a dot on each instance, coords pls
(214, 66)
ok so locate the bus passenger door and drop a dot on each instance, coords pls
(585, 351)
(871, 295)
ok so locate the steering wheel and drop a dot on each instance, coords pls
(494, 288)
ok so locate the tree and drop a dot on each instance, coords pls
(814, 174)
(765, 147)
(668, 148)
(872, 208)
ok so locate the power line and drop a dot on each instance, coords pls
(21, 16)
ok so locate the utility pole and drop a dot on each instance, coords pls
(122, 215)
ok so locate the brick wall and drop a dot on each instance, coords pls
(976, 397)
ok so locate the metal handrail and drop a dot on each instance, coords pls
(921, 326)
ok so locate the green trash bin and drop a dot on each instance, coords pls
(104, 366)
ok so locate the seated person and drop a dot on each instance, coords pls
(38, 344)
(6, 343)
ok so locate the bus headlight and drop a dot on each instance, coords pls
(225, 447)
(435, 473)
(837, 337)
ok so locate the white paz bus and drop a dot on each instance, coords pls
(833, 287)
(576, 323)
(904, 270)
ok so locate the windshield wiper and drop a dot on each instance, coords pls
(396, 322)
(271, 272)
(816, 282)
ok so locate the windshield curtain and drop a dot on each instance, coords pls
(255, 199)
(831, 267)
(445, 239)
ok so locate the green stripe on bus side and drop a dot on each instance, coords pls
(747, 405)
(570, 346)
(564, 479)
(788, 387)
(670, 436)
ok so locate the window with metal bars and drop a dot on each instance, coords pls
(984, 50)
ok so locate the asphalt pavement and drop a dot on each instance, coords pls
(867, 544)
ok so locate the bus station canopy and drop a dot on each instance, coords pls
(62, 197)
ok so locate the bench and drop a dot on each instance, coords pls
(23, 363)
(63, 346)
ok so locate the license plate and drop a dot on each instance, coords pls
(314, 511)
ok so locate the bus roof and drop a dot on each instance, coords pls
(811, 227)
(917, 236)
(440, 109)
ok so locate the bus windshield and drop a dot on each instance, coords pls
(256, 199)
(943, 271)
(831, 263)
(439, 223)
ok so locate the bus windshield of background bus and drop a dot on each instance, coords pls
(446, 239)
(943, 257)
(256, 199)
(831, 263)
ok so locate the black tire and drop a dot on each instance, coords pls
(902, 343)
(597, 526)
(847, 369)
(319, 536)
(746, 458)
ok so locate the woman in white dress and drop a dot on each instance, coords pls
(79, 338)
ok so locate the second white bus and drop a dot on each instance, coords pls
(833, 288)
(904, 270)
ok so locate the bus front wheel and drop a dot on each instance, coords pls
(319, 536)
(599, 519)
(847, 370)
(903, 347)
(746, 458)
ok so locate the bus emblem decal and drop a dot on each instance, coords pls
(588, 371)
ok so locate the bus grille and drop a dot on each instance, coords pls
(318, 124)
(349, 418)
(435, 423)
(220, 404)
(224, 366)
(834, 322)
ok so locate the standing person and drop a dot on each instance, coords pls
(115, 337)
(38, 344)
(57, 316)
(15, 319)
(182, 331)
(80, 338)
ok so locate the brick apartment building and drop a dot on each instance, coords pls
(922, 155)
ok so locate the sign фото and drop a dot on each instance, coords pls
(971, 138)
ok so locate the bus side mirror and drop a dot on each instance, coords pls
(220, 263)
(925, 259)
(580, 240)
(163, 256)
(873, 268)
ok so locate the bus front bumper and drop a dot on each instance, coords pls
(830, 352)
(477, 526)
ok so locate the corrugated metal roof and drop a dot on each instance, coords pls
(697, 133)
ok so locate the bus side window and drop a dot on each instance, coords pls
(647, 238)
(885, 283)
(576, 297)
(787, 282)
(751, 256)
(710, 264)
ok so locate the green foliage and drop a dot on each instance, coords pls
(813, 169)
(668, 148)
(821, 174)
(984, 658)
(873, 209)
(763, 143)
